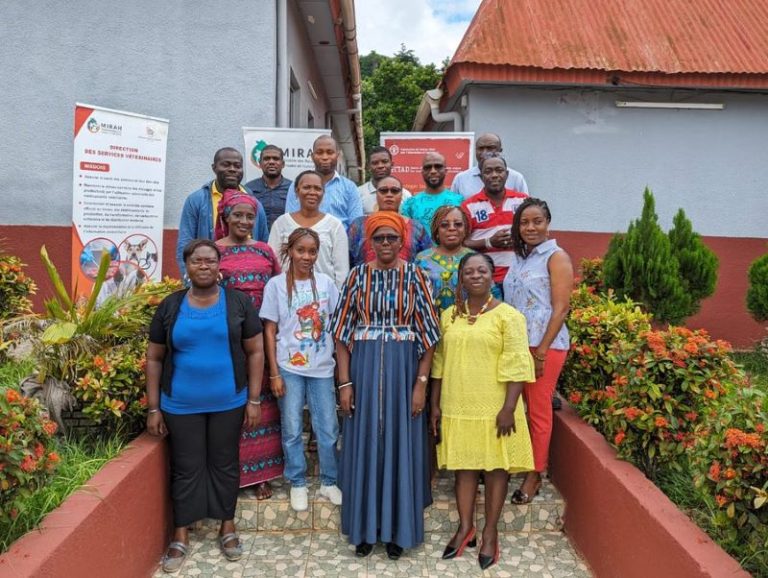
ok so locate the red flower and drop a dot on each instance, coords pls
(691, 416)
(143, 400)
(575, 397)
(28, 464)
(50, 427)
(632, 413)
(660, 422)
(721, 500)
(39, 450)
(53, 457)
(760, 428)
(619, 437)
(714, 471)
(12, 396)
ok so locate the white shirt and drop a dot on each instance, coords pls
(333, 257)
(469, 183)
(368, 197)
(304, 342)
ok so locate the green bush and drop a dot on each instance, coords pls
(667, 275)
(757, 292)
(730, 461)
(26, 455)
(698, 263)
(15, 287)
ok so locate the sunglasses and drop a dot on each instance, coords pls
(436, 166)
(389, 190)
(381, 239)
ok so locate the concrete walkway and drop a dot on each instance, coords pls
(279, 542)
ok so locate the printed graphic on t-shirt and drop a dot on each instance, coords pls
(311, 328)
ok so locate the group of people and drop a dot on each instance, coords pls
(434, 320)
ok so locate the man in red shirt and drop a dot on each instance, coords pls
(490, 215)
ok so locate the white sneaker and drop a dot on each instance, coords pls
(299, 499)
(333, 493)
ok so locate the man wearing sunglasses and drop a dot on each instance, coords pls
(423, 205)
(379, 167)
(470, 182)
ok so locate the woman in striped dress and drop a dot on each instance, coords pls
(247, 265)
(386, 328)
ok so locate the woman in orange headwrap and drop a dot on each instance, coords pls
(386, 329)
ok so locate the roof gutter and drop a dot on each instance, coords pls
(430, 106)
(356, 113)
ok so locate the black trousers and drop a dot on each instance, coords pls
(205, 464)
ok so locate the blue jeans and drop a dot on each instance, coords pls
(321, 399)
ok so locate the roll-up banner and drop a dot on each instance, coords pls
(118, 194)
(296, 144)
(408, 150)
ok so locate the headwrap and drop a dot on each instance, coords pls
(229, 199)
(384, 219)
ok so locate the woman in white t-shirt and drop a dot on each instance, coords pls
(333, 256)
(297, 307)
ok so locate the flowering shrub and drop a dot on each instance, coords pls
(731, 461)
(592, 274)
(661, 391)
(15, 287)
(111, 389)
(26, 455)
(601, 329)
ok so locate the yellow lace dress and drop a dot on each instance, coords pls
(475, 363)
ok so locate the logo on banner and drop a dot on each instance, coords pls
(256, 151)
(95, 126)
(394, 150)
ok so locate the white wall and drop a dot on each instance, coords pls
(591, 160)
(209, 67)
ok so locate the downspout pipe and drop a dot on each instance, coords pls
(433, 99)
(350, 39)
(283, 77)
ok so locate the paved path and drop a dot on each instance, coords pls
(278, 542)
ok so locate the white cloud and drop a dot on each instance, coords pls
(431, 28)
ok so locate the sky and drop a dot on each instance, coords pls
(431, 28)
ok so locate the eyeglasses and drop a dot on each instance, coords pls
(389, 190)
(455, 224)
(381, 239)
(199, 262)
(436, 166)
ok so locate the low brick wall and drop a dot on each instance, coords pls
(117, 525)
(622, 524)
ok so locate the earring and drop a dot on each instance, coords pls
(220, 277)
(185, 278)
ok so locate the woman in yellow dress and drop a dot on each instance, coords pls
(480, 366)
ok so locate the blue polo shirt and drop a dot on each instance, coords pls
(340, 199)
(272, 199)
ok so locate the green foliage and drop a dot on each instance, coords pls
(698, 263)
(757, 292)
(392, 91)
(80, 460)
(641, 265)
(592, 274)
(26, 455)
(15, 287)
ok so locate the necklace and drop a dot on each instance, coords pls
(472, 318)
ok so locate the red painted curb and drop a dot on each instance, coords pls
(115, 526)
(622, 524)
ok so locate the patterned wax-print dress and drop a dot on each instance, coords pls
(387, 319)
(360, 250)
(248, 268)
(443, 273)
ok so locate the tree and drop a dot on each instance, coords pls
(641, 265)
(698, 263)
(392, 91)
(757, 292)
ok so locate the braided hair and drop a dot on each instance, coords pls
(285, 255)
(520, 246)
(460, 305)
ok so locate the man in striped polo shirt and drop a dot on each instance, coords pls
(490, 215)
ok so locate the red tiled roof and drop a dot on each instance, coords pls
(658, 42)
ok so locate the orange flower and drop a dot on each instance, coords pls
(709, 394)
(575, 397)
(760, 428)
(714, 472)
(735, 437)
(619, 437)
(12, 396)
(50, 427)
(143, 400)
(53, 457)
(730, 473)
(691, 416)
(632, 413)
(660, 422)
(28, 464)
(721, 500)
(620, 380)
(39, 450)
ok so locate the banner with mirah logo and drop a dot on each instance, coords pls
(296, 144)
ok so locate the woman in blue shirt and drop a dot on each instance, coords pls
(204, 367)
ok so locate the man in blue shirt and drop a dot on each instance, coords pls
(271, 188)
(341, 198)
(469, 182)
(198, 217)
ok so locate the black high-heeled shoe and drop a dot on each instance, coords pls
(486, 561)
(363, 549)
(394, 551)
(452, 552)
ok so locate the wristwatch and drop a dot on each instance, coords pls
(422, 378)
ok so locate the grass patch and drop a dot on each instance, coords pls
(755, 364)
(80, 460)
(12, 372)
